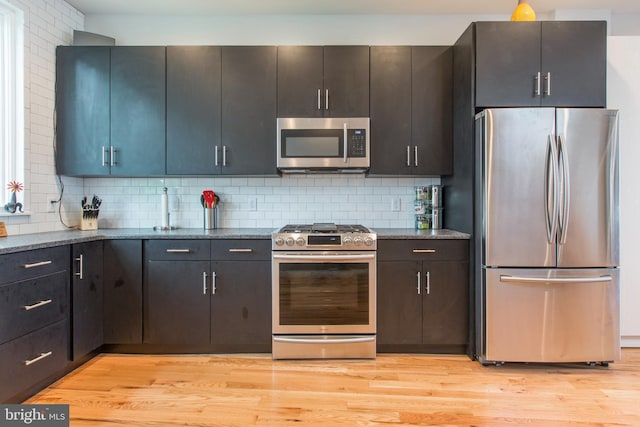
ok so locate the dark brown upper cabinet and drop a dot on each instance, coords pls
(323, 81)
(550, 63)
(411, 110)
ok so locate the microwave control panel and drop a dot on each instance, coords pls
(357, 143)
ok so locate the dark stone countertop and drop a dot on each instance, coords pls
(25, 242)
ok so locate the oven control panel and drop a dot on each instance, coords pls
(306, 241)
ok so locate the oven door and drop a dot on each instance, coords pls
(324, 292)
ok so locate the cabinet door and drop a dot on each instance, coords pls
(193, 109)
(300, 81)
(507, 63)
(87, 298)
(249, 110)
(82, 106)
(138, 110)
(177, 302)
(346, 81)
(399, 306)
(241, 303)
(574, 54)
(446, 303)
(432, 110)
(122, 292)
(390, 110)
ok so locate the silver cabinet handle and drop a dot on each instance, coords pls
(419, 285)
(345, 142)
(104, 160)
(319, 100)
(428, 288)
(415, 155)
(536, 91)
(80, 272)
(241, 250)
(178, 251)
(216, 156)
(224, 155)
(112, 156)
(204, 282)
(37, 359)
(36, 305)
(424, 251)
(213, 283)
(37, 264)
(408, 155)
(547, 84)
(326, 99)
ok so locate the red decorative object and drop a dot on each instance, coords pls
(15, 186)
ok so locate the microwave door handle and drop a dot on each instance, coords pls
(345, 143)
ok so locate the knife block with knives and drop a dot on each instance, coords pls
(90, 212)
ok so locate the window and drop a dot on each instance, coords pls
(11, 97)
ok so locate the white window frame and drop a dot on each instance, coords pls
(12, 165)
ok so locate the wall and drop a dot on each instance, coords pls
(48, 23)
(623, 91)
(134, 203)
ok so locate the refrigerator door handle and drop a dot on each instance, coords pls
(551, 188)
(563, 160)
(523, 279)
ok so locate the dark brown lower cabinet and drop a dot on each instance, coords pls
(123, 291)
(215, 298)
(423, 296)
(86, 298)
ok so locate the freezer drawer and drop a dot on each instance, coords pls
(551, 315)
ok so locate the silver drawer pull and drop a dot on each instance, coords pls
(178, 251)
(37, 359)
(36, 305)
(241, 250)
(37, 264)
(424, 251)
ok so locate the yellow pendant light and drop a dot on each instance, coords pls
(523, 12)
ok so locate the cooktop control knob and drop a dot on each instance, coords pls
(358, 241)
(289, 241)
(368, 241)
(347, 241)
(279, 241)
(300, 241)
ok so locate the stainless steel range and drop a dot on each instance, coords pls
(324, 292)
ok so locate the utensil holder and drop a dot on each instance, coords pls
(210, 218)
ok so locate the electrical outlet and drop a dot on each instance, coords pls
(253, 204)
(395, 204)
(52, 204)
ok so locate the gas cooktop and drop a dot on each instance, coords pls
(324, 227)
(324, 235)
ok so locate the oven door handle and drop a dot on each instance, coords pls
(324, 341)
(325, 257)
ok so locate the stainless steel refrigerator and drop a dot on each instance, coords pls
(547, 181)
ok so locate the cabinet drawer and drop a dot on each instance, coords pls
(31, 304)
(423, 250)
(178, 250)
(32, 358)
(29, 264)
(241, 250)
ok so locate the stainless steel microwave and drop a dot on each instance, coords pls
(323, 144)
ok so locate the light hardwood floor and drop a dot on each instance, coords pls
(246, 390)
